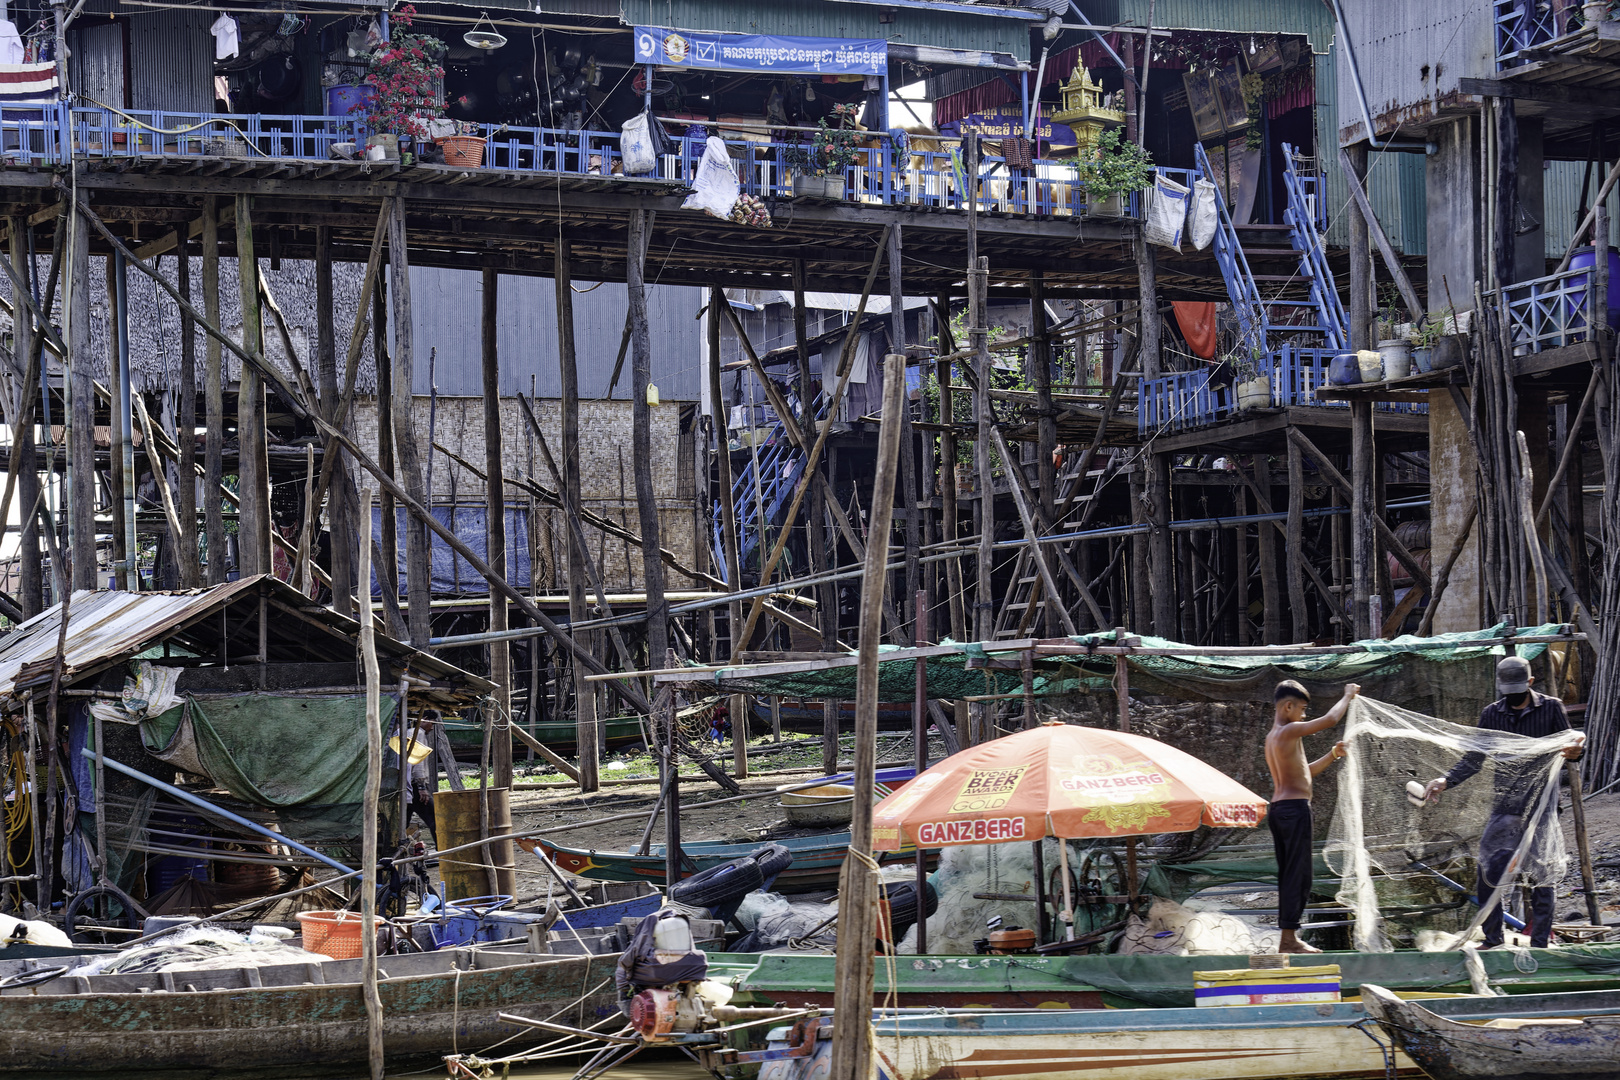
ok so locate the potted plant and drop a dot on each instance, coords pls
(1113, 172)
(1424, 339)
(808, 181)
(1250, 386)
(404, 75)
(835, 148)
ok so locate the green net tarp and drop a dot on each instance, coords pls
(1448, 675)
(303, 756)
(1178, 881)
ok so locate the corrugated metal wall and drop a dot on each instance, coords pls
(808, 18)
(1411, 50)
(1562, 197)
(171, 59)
(447, 306)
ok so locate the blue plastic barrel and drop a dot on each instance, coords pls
(1584, 258)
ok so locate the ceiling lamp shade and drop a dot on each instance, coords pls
(483, 35)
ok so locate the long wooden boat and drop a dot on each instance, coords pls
(1569, 1037)
(816, 860)
(796, 978)
(1319, 1042)
(295, 1018)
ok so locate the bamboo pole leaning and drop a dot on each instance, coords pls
(368, 821)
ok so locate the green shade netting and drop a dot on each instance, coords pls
(1443, 675)
(1178, 881)
(303, 756)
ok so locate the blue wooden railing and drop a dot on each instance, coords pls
(1549, 312)
(1186, 399)
(880, 175)
(1523, 25)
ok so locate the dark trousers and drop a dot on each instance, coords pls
(1496, 846)
(1290, 822)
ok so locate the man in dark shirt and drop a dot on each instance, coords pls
(1520, 711)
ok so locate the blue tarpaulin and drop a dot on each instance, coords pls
(761, 52)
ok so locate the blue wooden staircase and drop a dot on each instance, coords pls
(781, 465)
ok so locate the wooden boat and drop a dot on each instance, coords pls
(796, 978)
(1569, 1037)
(1249, 1042)
(293, 1017)
(816, 860)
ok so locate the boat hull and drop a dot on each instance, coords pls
(65, 1028)
(1447, 1050)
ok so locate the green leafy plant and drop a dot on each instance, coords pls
(403, 74)
(835, 148)
(1429, 332)
(1117, 169)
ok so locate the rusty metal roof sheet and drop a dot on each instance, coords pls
(106, 628)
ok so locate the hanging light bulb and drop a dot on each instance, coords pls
(483, 36)
(1251, 44)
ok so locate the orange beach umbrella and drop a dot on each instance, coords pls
(1065, 781)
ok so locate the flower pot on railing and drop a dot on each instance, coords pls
(1450, 351)
(1594, 11)
(466, 151)
(1110, 206)
(387, 144)
(809, 187)
(1423, 359)
(1395, 359)
(1254, 394)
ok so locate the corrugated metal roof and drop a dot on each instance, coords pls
(1309, 17)
(945, 26)
(106, 628)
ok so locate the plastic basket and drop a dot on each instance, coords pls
(331, 933)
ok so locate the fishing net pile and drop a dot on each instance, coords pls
(1391, 849)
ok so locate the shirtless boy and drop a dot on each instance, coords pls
(1290, 815)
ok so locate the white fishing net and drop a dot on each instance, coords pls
(1391, 849)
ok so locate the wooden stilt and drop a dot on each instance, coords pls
(253, 532)
(340, 498)
(948, 513)
(1360, 313)
(418, 564)
(1271, 594)
(1363, 549)
(387, 562)
(213, 399)
(909, 500)
(30, 570)
(1296, 544)
(587, 729)
(185, 425)
(641, 434)
(500, 653)
(857, 885)
(81, 434)
(1038, 372)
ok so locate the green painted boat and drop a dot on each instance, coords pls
(290, 1020)
(816, 860)
(1103, 981)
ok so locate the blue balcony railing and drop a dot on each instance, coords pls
(1186, 399)
(879, 175)
(1522, 25)
(1549, 312)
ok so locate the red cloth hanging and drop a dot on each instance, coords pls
(1197, 321)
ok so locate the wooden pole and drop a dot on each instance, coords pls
(81, 428)
(418, 560)
(340, 501)
(387, 563)
(586, 728)
(1409, 295)
(1296, 544)
(253, 532)
(1038, 367)
(909, 500)
(373, 796)
(919, 757)
(185, 425)
(1270, 587)
(500, 652)
(1583, 845)
(30, 570)
(213, 398)
(1363, 549)
(1360, 258)
(857, 886)
(652, 567)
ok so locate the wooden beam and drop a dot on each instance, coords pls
(772, 393)
(1396, 270)
(213, 396)
(500, 652)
